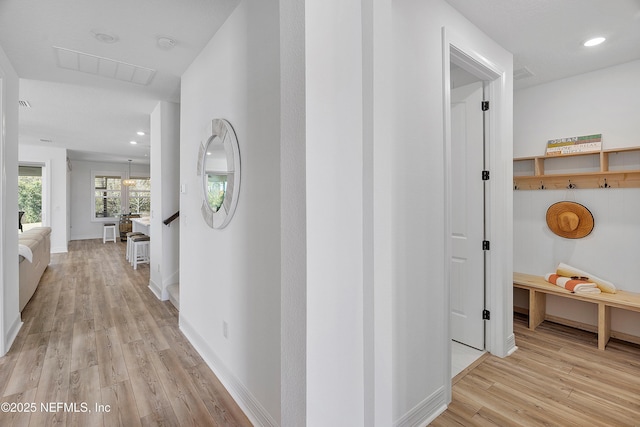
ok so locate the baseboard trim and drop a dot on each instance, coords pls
(156, 290)
(622, 336)
(59, 250)
(248, 403)
(171, 279)
(12, 333)
(521, 310)
(426, 411)
(173, 291)
(592, 328)
(511, 344)
(85, 237)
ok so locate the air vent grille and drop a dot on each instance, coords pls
(105, 67)
(24, 104)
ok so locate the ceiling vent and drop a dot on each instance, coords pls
(105, 67)
(522, 73)
(24, 104)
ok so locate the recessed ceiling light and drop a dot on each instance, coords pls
(166, 43)
(594, 41)
(133, 142)
(140, 133)
(104, 36)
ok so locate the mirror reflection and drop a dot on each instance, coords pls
(215, 173)
(219, 165)
(216, 188)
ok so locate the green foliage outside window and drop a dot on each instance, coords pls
(216, 188)
(30, 198)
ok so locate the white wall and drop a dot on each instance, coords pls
(165, 196)
(55, 180)
(82, 226)
(420, 332)
(378, 213)
(233, 275)
(335, 283)
(293, 244)
(371, 250)
(605, 101)
(10, 316)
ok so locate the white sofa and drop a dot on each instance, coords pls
(34, 248)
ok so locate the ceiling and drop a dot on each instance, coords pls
(95, 116)
(546, 36)
(95, 113)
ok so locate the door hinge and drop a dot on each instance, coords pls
(485, 175)
(485, 245)
(486, 314)
(485, 105)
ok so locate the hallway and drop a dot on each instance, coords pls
(98, 348)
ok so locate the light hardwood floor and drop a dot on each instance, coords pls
(557, 377)
(94, 334)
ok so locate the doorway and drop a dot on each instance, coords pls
(468, 232)
(468, 200)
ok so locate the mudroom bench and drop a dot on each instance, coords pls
(538, 289)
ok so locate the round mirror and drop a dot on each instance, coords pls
(219, 165)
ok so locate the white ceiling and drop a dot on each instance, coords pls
(95, 117)
(546, 36)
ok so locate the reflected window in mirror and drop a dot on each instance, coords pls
(216, 188)
(219, 165)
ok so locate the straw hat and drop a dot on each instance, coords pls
(570, 220)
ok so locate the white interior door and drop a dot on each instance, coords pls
(467, 217)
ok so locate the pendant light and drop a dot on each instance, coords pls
(129, 182)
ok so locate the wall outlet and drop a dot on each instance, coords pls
(225, 329)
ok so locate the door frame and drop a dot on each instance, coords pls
(498, 191)
(481, 84)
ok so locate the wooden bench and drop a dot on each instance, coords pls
(538, 289)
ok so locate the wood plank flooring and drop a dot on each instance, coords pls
(557, 377)
(94, 334)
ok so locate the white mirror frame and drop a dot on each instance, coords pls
(222, 129)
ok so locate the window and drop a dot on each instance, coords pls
(111, 198)
(30, 193)
(107, 195)
(30, 196)
(140, 196)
